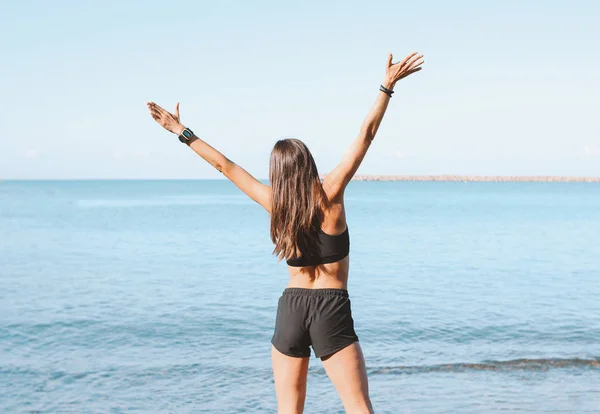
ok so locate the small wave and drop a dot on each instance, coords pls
(524, 364)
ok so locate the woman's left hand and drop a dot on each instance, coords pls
(167, 120)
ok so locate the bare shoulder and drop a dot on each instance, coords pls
(334, 214)
(333, 188)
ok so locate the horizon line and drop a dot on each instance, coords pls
(370, 177)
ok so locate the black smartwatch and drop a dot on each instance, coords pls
(186, 135)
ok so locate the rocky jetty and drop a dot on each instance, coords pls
(479, 178)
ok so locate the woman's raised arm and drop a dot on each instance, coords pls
(256, 190)
(336, 181)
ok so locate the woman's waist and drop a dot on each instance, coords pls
(305, 281)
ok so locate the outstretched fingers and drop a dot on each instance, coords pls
(411, 63)
(156, 107)
(406, 59)
(416, 64)
(155, 114)
(156, 111)
(165, 118)
(410, 72)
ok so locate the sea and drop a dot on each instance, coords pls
(160, 297)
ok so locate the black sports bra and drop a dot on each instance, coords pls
(331, 249)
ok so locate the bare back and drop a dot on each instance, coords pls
(328, 275)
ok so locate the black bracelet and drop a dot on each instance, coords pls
(385, 90)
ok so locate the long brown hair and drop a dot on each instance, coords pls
(298, 199)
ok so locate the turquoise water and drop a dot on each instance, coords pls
(160, 296)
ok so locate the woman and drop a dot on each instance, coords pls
(308, 228)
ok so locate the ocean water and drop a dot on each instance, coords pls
(160, 296)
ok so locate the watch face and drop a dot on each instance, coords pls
(186, 134)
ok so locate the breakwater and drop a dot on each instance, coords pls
(479, 178)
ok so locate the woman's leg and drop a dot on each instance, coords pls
(346, 369)
(290, 382)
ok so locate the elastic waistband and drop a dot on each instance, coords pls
(315, 292)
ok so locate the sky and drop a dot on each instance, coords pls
(507, 88)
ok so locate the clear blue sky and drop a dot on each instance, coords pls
(507, 87)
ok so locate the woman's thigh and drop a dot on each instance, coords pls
(290, 381)
(346, 369)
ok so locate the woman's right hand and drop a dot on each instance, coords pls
(396, 71)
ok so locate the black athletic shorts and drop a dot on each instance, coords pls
(318, 317)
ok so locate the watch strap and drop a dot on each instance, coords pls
(186, 135)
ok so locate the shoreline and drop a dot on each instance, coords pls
(479, 178)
